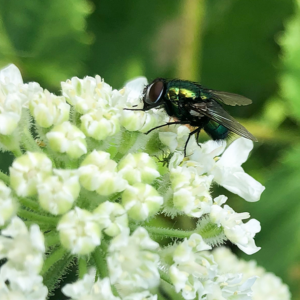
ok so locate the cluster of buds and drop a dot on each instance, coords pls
(87, 183)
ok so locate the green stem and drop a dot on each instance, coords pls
(51, 239)
(57, 264)
(17, 152)
(82, 267)
(165, 232)
(28, 141)
(53, 258)
(164, 276)
(29, 203)
(4, 177)
(32, 216)
(99, 256)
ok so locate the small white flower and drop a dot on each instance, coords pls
(21, 284)
(192, 264)
(21, 288)
(11, 77)
(101, 123)
(79, 232)
(228, 286)
(203, 158)
(87, 288)
(23, 248)
(28, 171)
(141, 201)
(175, 137)
(10, 110)
(67, 138)
(266, 287)
(191, 191)
(57, 193)
(49, 109)
(99, 173)
(111, 217)
(138, 167)
(8, 204)
(13, 96)
(132, 261)
(229, 173)
(87, 93)
(137, 120)
(236, 231)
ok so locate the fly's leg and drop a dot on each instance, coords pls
(167, 124)
(187, 141)
(197, 137)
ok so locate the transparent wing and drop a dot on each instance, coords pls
(215, 111)
(230, 99)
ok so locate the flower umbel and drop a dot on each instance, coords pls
(88, 188)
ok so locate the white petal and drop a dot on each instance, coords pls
(244, 185)
(237, 153)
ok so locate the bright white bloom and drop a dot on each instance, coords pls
(191, 191)
(8, 204)
(137, 120)
(175, 160)
(23, 248)
(141, 201)
(138, 167)
(227, 170)
(11, 99)
(28, 171)
(175, 137)
(67, 138)
(79, 232)
(229, 173)
(203, 158)
(228, 286)
(57, 193)
(49, 109)
(236, 231)
(111, 217)
(141, 296)
(21, 288)
(132, 261)
(192, 264)
(266, 287)
(11, 78)
(99, 173)
(88, 289)
(87, 93)
(101, 123)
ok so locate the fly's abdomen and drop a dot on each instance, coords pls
(216, 131)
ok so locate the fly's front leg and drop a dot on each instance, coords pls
(167, 124)
(187, 141)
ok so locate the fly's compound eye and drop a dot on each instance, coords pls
(154, 92)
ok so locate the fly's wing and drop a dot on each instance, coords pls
(215, 111)
(229, 98)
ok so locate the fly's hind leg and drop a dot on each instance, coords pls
(197, 137)
(197, 130)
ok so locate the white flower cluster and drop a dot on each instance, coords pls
(93, 173)
(266, 287)
(24, 250)
(195, 272)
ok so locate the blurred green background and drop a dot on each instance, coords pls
(246, 47)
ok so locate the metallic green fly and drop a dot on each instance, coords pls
(189, 103)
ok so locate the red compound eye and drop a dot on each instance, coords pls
(154, 92)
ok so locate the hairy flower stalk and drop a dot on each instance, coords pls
(87, 183)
